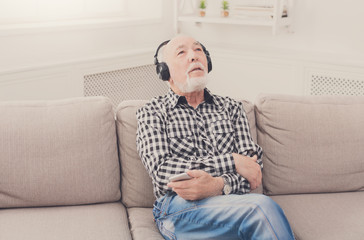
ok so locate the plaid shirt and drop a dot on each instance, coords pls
(173, 137)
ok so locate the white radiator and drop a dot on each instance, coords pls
(336, 84)
(125, 84)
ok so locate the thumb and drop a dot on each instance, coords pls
(255, 158)
(195, 173)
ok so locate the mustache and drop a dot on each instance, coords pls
(195, 65)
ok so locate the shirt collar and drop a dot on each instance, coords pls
(172, 98)
(175, 99)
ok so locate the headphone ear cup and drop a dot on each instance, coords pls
(163, 71)
(209, 63)
(208, 58)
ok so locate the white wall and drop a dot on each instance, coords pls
(248, 60)
(49, 62)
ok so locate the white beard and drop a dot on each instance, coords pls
(193, 84)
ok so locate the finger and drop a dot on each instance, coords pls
(178, 185)
(255, 181)
(186, 194)
(254, 158)
(195, 173)
(171, 185)
(253, 186)
(258, 182)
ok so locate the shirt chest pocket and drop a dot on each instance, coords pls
(223, 136)
(180, 140)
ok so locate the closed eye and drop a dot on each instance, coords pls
(180, 52)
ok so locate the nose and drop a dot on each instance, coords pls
(192, 56)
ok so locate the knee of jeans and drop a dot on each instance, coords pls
(263, 201)
(266, 204)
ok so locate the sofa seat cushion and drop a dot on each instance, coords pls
(330, 216)
(92, 222)
(142, 225)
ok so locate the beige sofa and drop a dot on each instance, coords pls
(62, 162)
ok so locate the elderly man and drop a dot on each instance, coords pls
(206, 136)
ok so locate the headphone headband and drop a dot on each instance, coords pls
(162, 67)
(159, 47)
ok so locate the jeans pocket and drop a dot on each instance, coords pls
(157, 208)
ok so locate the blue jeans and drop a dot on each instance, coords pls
(249, 216)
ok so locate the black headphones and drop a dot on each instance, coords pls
(162, 68)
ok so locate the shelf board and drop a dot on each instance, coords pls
(233, 20)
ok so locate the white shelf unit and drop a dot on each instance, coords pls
(275, 22)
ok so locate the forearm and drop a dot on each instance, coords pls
(216, 165)
(226, 165)
(257, 151)
(201, 185)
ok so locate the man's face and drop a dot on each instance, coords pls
(187, 64)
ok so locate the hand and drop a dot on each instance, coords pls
(249, 169)
(202, 185)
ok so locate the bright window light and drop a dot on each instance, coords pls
(41, 11)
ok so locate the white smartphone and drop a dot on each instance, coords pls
(180, 177)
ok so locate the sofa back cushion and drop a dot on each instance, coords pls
(136, 185)
(61, 152)
(311, 144)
